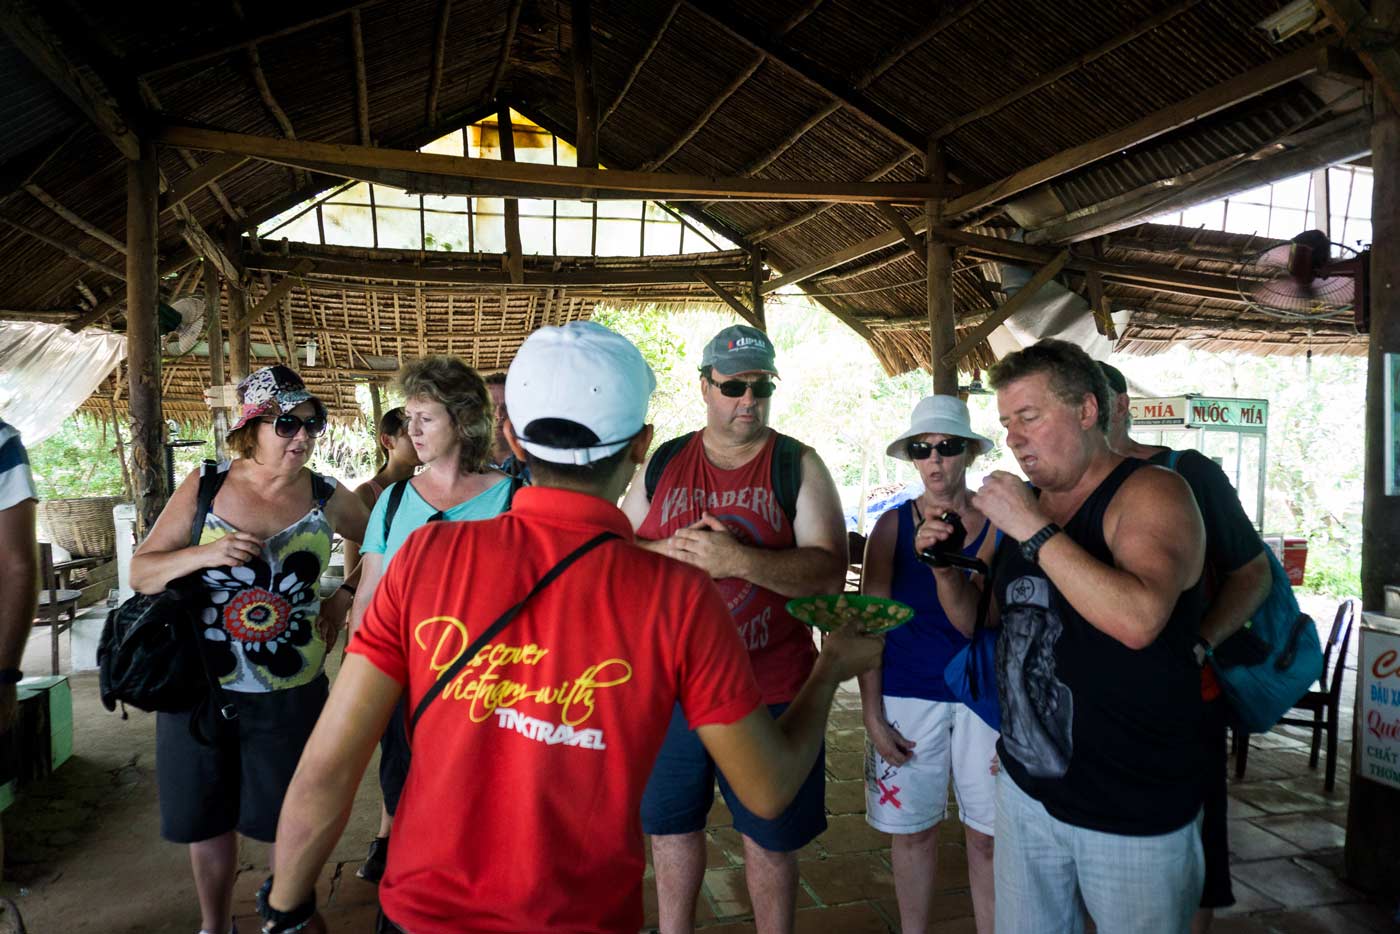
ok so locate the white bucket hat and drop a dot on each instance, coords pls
(941, 415)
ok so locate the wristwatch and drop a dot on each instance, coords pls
(1030, 548)
(284, 922)
(11, 676)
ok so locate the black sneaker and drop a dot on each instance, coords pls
(372, 870)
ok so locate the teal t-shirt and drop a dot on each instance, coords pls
(414, 512)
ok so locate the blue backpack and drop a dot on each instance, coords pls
(1262, 684)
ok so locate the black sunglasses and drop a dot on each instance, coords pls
(735, 388)
(948, 447)
(287, 426)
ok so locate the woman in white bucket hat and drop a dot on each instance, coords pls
(918, 733)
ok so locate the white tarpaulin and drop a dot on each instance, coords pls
(47, 371)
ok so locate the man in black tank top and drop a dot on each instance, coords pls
(1097, 592)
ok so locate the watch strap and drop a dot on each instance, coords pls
(1030, 548)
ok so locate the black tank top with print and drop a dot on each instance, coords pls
(1104, 736)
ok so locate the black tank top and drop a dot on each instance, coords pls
(1103, 735)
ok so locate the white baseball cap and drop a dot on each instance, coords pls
(939, 415)
(581, 373)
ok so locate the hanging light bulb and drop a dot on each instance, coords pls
(311, 353)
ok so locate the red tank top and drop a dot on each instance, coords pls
(780, 648)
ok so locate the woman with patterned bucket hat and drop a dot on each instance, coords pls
(264, 544)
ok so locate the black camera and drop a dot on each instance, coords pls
(948, 553)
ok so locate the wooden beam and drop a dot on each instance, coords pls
(870, 113)
(201, 243)
(699, 122)
(349, 158)
(739, 307)
(274, 109)
(507, 42)
(202, 175)
(65, 248)
(792, 223)
(91, 230)
(897, 221)
(640, 63)
(246, 35)
(272, 296)
(585, 97)
(1058, 74)
(515, 256)
(540, 276)
(1341, 141)
(945, 19)
(377, 413)
(841, 257)
(1012, 305)
(357, 54)
(1098, 302)
(142, 339)
(1280, 71)
(756, 286)
(439, 55)
(1372, 40)
(214, 339)
(938, 260)
(31, 34)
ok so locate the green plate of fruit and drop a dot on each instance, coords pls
(829, 612)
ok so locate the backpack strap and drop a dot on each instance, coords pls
(395, 497)
(517, 480)
(211, 478)
(661, 458)
(1172, 458)
(787, 473)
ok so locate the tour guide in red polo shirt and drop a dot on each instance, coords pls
(521, 810)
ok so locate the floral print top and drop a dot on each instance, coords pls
(259, 623)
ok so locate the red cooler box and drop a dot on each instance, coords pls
(1295, 559)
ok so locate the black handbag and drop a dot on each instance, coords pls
(149, 656)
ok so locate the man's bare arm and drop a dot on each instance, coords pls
(1240, 594)
(766, 761)
(1154, 531)
(318, 802)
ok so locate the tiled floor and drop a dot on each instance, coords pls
(82, 849)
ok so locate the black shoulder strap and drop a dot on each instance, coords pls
(787, 473)
(211, 478)
(465, 658)
(321, 489)
(517, 480)
(661, 458)
(395, 497)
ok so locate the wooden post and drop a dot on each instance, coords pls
(377, 410)
(515, 258)
(756, 268)
(940, 285)
(142, 341)
(585, 100)
(214, 319)
(1373, 815)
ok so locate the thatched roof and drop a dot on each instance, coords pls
(838, 90)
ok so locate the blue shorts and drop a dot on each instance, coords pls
(682, 788)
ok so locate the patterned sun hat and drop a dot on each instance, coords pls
(273, 390)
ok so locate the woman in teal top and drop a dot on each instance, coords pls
(450, 422)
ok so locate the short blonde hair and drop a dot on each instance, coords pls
(460, 389)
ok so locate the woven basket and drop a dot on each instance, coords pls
(82, 526)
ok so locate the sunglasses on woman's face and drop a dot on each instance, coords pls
(948, 447)
(735, 388)
(287, 426)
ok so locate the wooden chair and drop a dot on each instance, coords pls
(1324, 705)
(855, 547)
(54, 601)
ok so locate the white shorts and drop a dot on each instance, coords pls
(912, 797)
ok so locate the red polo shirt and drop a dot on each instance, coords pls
(521, 810)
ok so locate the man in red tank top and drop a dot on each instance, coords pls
(715, 507)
